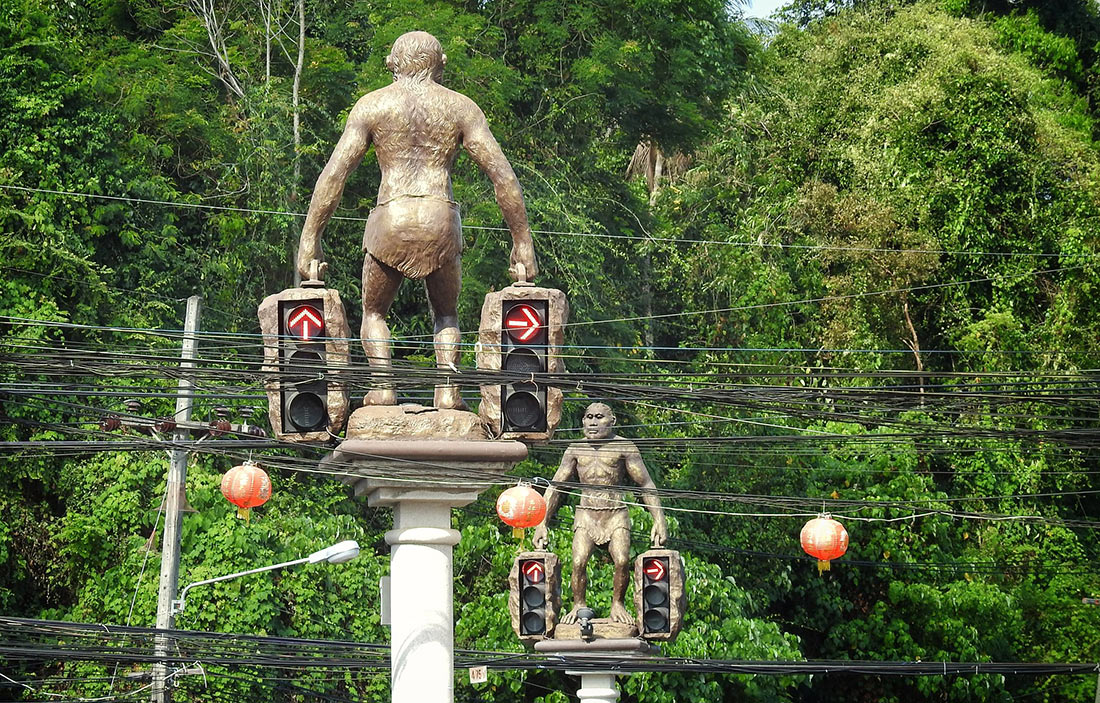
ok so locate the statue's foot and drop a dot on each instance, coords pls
(381, 396)
(619, 613)
(449, 398)
(571, 617)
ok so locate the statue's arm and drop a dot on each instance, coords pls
(483, 148)
(554, 497)
(345, 157)
(636, 468)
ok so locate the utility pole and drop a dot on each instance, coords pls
(174, 501)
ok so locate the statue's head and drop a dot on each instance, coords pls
(416, 55)
(598, 421)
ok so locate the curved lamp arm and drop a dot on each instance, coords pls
(336, 554)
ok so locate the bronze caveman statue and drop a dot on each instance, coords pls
(416, 126)
(602, 517)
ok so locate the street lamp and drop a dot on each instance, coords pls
(336, 554)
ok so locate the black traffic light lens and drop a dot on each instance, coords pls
(655, 595)
(533, 597)
(306, 411)
(655, 621)
(303, 361)
(522, 361)
(522, 409)
(533, 624)
(304, 357)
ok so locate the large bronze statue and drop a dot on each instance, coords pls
(416, 126)
(602, 462)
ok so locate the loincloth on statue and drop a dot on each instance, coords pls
(601, 524)
(414, 234)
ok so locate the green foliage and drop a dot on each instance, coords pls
(866, 194)
(890, 127)
(1025, 34)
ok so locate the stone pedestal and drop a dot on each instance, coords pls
(598, 686)
(602, 629)
(421, 480)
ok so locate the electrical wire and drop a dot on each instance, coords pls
(602, 235)
(38, 640)
(779, 506)
(943, 398)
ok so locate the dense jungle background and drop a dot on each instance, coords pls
(843, 261)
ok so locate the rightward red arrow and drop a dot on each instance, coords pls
(655, 569)
(305, 322)
(534, 571)
(522, 322)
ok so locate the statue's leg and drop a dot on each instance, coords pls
(620, 557)
(443, 287)
(582, 551)
(380, 284)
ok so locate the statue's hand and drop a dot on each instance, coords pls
(659, 534)
(523, 254)
(307, 253)
(539, 539)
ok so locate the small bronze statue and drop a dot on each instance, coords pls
(602, 518)
(416, 126)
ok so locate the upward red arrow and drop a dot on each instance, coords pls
(305, 322)
(534, 571)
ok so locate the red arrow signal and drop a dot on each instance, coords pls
(305, 322)
(655, 569)
(522, 322)
(534, 571)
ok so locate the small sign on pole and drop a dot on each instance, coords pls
(384, 598)
(479, 674)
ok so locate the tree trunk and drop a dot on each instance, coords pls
(914, 344)
(295, 100)
(215, 35)
(658, 170)
(658, 161)
(267, 12)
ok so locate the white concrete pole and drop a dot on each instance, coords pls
(421, 479)
(421, 609)
(597, 687)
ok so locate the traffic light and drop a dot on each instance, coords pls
(522, 331)
(305, 342)
(655, 596)
(523, 352)
(535, 595)
(659, 594)
(303, 393)
(532, 597)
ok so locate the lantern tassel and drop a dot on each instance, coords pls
(517, 533)
(823, 565)
(245, 513)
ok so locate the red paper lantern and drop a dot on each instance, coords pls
(247, 486)
(824, 538)
(521, 506)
